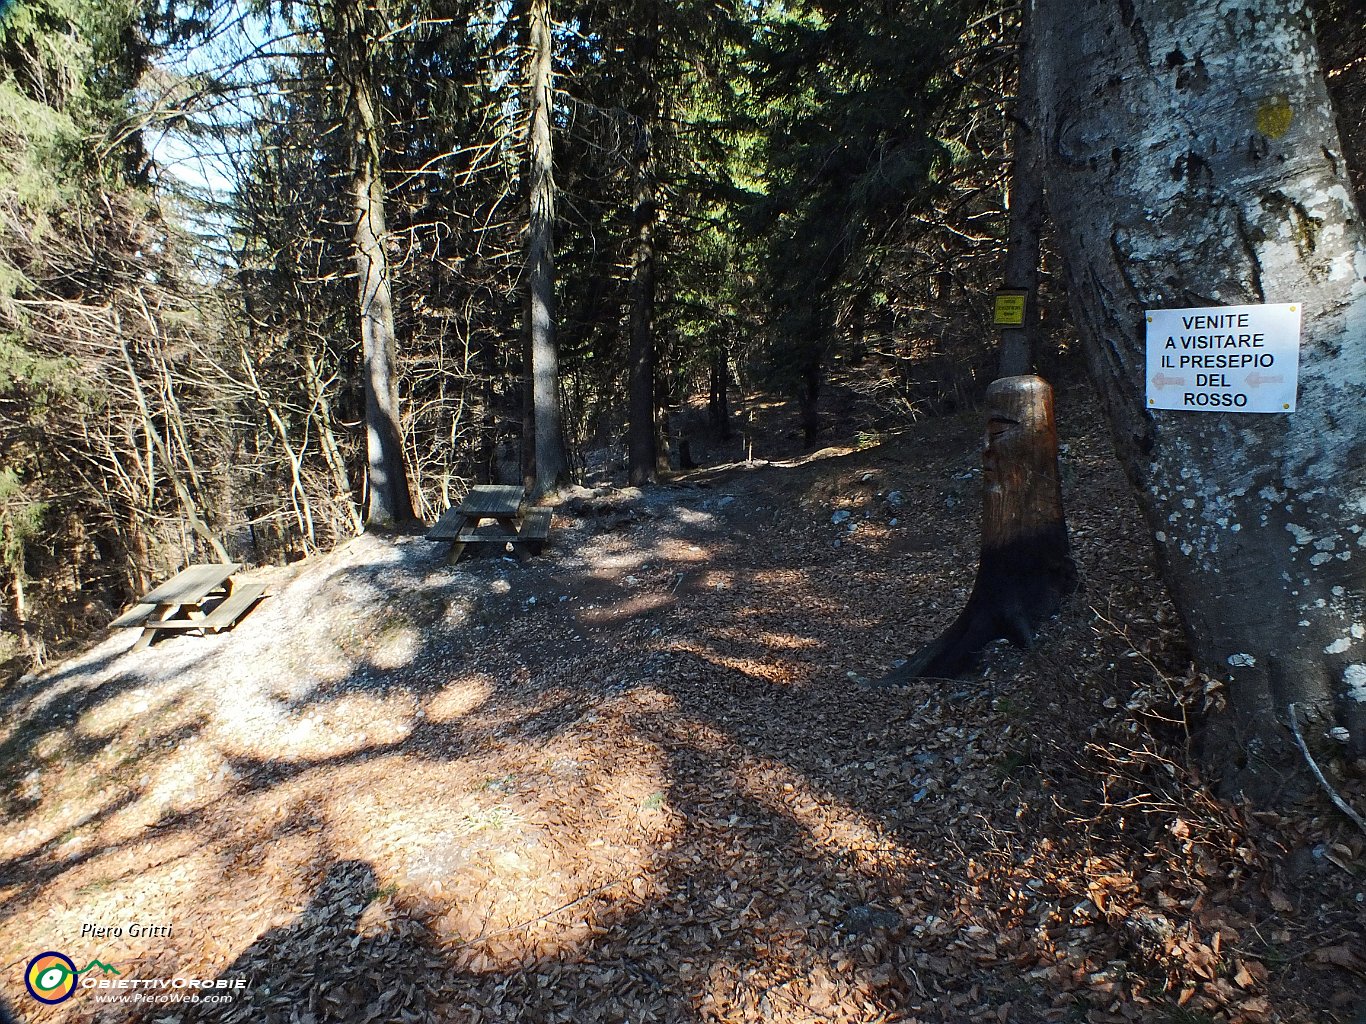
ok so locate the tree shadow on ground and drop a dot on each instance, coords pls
(333, 963)
(810, 847)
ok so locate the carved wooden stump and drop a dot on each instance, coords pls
(1025, 569)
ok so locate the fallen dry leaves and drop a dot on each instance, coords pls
(643, 779)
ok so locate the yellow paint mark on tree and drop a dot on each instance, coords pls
(1274, 117)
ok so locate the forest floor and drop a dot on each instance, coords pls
(643, 778)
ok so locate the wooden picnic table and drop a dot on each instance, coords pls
(178, 604)
(503, 506)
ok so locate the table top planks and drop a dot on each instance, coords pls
(494, 501)
(134, 616)
(192, 585)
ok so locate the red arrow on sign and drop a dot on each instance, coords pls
(1256, 380)
(1162, 380)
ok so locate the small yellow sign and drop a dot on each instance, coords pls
(1010, 308)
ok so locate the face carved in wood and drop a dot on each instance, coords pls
(1020, 491)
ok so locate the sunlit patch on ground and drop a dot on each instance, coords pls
(400, 791)
(459, 698)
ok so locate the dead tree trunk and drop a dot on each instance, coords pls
(321, 413)
(298, 493)
(31, 650)
(156, 441)
(1025, 569)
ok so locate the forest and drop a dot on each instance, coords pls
(734, 197)
(721, 283)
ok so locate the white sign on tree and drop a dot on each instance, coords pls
(1224, 358)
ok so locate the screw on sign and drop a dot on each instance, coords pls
(1224, 358)
(1009, 307)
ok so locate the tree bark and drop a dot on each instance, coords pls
(388, 499)
(552, 464)
(808, 395)
(718, 403)
(1026, 214)
(1193, 160)
(641, 440)
(527, 392)
(1025, 570)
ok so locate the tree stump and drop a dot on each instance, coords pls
(1025, 570)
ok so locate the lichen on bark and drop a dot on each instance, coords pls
(1223, 196)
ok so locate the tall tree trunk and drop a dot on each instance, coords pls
(1193, 160)
(718, 403)
(808, 395)
(1021, 270)
(645, 448)
(528, 405)
(641, 442)
(389, 502)
(552, 464)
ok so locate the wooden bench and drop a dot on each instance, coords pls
(203, 597)
(530, 535)
(448, 526)
(535, 530)
(488, 533)
(225, 614)
(466, 524)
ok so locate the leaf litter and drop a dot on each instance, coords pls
(641, 779)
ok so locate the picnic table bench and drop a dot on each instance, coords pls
(179, 603)
(508, 523)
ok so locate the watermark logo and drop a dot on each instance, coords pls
(51, 977)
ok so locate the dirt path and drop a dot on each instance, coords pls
(638, 779)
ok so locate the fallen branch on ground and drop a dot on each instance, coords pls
(1338, 802)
